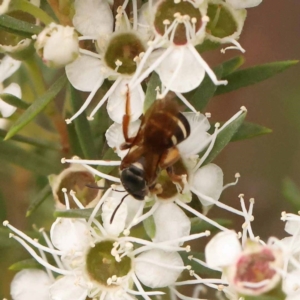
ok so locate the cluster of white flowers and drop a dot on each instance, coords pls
(100, 256)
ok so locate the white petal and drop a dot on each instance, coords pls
(171, 223)
(116, 104)
(238, 4)
(6, 109)
(154, 276)
(66, 288)
(292, 227)
(208, 180)
(198, 138)
(223, 249)
(84, 73)
(115, 138)
(108, 208)
(93, 17)
(30, 284)
(70, 234)
(291, 284)
(190, 73)
(8, 66)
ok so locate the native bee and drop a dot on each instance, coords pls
(153, 148)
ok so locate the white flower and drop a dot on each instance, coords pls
(57, 45)
(31, 284)
(177, 28)
(251, 270)
(117, 58)
(94, 259)
(226, 23)
(239, 4)
(8, 66)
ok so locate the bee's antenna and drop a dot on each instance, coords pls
(116, 209)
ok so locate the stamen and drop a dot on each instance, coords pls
(205, 66)
(76, 200)
(216, 202)
(135, 14)
(102, 175)
(236, 47)
(204, 264)
(76, 160)
(39, 259)
(42, 253)
(30, 240)
(186, 102)
(89, 53)
(105, 97)
(67, 203)
(237, 176)
(181, 296)
(139, 287)
(87, 101)
(201, 216)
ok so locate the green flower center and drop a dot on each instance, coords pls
(166, 11)
(123, 48)
(222, 23)
(102, 266)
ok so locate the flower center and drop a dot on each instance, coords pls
(102, 266)
(121, 52)
(222, 23)
(187, 20)
(77, 182)
(255, 267)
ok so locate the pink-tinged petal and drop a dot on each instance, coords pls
(85, 72)
(171, 223)
(153, 275)
(66, 288)
(30, 284)
(208, 180)
(116, 105)
(188, 73)
(93, 18)
(223, 249)
(70, 234)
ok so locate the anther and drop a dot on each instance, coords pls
(64, 190)
(243, 108)
(192, 273)
(188, 248)
(220, 287)
(166, 22)
(207, 233)
(63, 160)
(237, 175)
(118, 63)
(241, 195)
(5, 223)
(188, 267)
(126, 232)
(205, 19)
(251, 200)
(217, 125)
(208, 115)
(68, 121)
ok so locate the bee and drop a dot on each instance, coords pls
(153, 149)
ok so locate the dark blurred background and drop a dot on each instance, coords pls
(271, 33)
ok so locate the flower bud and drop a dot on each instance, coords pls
(57, 45)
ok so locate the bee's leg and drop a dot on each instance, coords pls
(169, 158)
(125, 123)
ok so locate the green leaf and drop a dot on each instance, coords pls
(27, 160)
(39, 198)
(149, 226)
(29, 263)
(291, 193)
(14, 101)
(207, 45)
(154, 82)
(249, 130)
(31, 141)
(31, 9)
(243, 78)
(18, 27)
(37, 106)
(197, 225)
(231, 65)
(224, 137)
(205, 91)
(75, 146)
(82, 127)
(75, 213)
